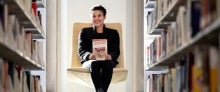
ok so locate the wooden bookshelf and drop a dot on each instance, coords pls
(29, 22)
(205, 36)
(18, 58)
(26, 18)
(20, 52)
(168, 17)
(188, 48)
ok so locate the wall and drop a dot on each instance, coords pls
(116, 12)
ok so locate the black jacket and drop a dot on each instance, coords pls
(85, 42)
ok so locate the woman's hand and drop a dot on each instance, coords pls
(108, 57)
(92, 57)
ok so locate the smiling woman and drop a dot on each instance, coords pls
(101, 80)
(98, 17)
(119, 72)
(116, 18)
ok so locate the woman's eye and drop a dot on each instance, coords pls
(99, 15)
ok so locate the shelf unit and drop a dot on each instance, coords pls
(18, 58)
(27, 19)
(189, 46)
(205, 36)
(21, 50)
(30, 23)
(168, 16)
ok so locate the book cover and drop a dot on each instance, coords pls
(21, 39)
(2, 33)
(1, 73)
(218, 72)
(28, 43)
(213, 64)
(163, 43)
(174, 79)
(205, 13)
(99, 48)
(218, 8)
(184, 33)
(40, 53)
(213, 9)
(195, 17)
(1, 88)
(200, 70)
(24, 82)
(34, 7)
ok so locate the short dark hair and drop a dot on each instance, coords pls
(101, 8)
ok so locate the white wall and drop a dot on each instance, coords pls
(79, 11)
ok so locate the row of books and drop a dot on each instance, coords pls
(196, 71)
(31, 7)
(172, 37)
(161, 8)
(13, 78)
(14, 36)
(208, 10)
(179, 33)
(151, 20)
(153, 52)
(203, 13)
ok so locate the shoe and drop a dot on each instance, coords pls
(100, 90)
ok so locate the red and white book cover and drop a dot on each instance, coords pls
(99, 48)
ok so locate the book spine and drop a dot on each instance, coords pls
(195, 17)
(218, 62)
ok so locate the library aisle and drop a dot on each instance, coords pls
(170, 45)
(184, 52)
(21, 45)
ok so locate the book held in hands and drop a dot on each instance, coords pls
(99, 47)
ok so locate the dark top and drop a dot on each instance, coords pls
(85, 42)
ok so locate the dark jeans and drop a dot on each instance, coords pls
(101, 74)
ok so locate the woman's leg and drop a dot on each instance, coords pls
(106, 76)
(95, 74)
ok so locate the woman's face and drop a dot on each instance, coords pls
(98, 18)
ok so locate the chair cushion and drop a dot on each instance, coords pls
(119, 74)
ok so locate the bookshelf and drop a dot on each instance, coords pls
(30, 22)
(168, 16)
(18, 58)
(188, 48)
(205, 36)
(21, 50)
